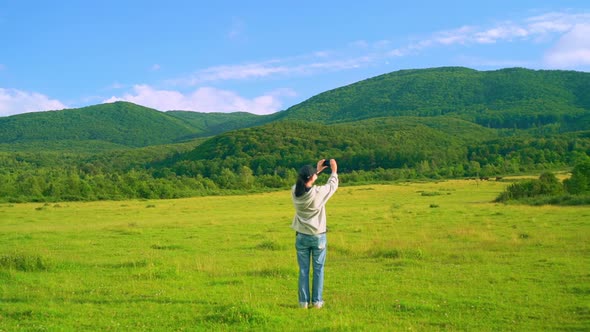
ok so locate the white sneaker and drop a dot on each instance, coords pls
(318, 305)
(303, 305)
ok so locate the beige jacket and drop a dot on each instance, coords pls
(310, 208)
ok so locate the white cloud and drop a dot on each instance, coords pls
(204, 99)
(572, 49)
(503, 32)
(337, 64)
(230, 72)
(318, 62)
(555, 22)
(536, 27)
(14, 101)
(456, 36)
(255, 70)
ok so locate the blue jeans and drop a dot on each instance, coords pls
(311, 247)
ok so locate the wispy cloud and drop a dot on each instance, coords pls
(506, 32)
(317, 62)
(532, 28)
(204, 99)
(235, 72)
(14, 101)
(537, 28)
(555, 22)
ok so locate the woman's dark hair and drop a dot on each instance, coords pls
(305, 173)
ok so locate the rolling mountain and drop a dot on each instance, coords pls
(120, 123)
(506, 98)
(112, 126)
(540, 101)
(405, 117)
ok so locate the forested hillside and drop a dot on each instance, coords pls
(112, 126)
(508, 98)
(120, 123)
(410, 124)
(391, 142)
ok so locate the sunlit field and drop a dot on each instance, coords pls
(416, 256)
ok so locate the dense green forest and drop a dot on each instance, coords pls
(113, 126)
(411, 124)
(509, 98)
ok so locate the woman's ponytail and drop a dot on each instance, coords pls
(305, 173)
(299, 187)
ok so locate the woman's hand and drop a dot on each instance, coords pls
(321, 166)
(333, 166)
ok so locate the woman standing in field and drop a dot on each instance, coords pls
(309, 224)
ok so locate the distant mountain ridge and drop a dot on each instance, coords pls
(116, 125)
(540, 101)
(499, 98)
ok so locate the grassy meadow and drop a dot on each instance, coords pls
(401, 257)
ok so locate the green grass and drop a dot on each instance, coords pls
(397, 260)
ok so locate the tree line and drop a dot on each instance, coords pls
(268, 162)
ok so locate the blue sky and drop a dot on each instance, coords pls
(263, 56)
